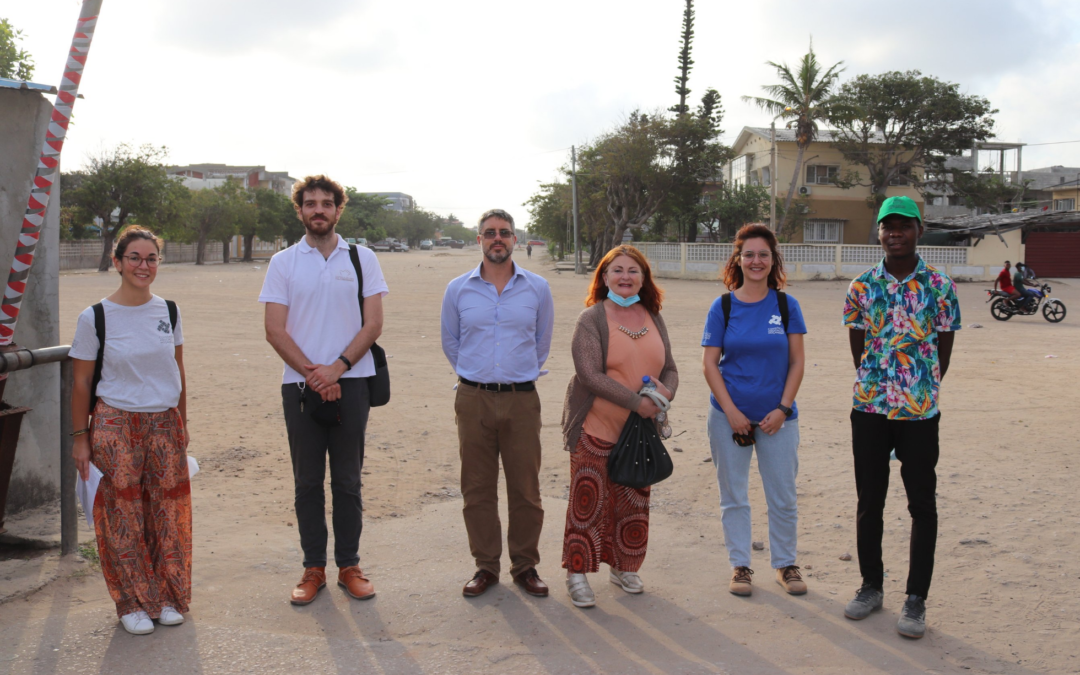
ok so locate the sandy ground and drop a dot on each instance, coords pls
(1004, 598)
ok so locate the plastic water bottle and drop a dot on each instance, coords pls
(661, 417)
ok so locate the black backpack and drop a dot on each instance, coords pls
(99, 328)
(781, 299)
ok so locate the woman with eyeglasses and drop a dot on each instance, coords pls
(135, 435)
(619, 339)
(753, 362)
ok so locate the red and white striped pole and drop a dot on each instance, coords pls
(48, 170)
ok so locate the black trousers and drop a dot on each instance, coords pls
(873, 437)
(309, 445)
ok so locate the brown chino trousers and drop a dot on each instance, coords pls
(493, 425)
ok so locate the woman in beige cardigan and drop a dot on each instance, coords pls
(619, 339)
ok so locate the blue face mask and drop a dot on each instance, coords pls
(620, 300)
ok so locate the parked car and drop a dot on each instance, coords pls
(457, 243)
(382, 246)
(426, 245)
(536, 242)
(350, 240)
(402, 246)
(361, 241)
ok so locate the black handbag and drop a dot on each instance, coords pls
(379, 383)
(639, 459)
(326, 413)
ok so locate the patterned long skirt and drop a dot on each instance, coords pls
(142, 511)
(605, 522)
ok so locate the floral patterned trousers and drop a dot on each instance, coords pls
(605, 522)
(142, 511)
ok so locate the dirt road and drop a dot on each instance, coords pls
(1004, 598)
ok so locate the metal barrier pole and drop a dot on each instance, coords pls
(69, 513)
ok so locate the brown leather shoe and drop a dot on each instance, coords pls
(354, 582)
(311, 583)
(530, 581)
(479, 584)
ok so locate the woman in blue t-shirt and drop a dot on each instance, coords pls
(753, 363)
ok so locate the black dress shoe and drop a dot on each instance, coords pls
(531, 582)
(479, 583)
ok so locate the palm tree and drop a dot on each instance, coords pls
(803, 98)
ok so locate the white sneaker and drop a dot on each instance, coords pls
(170, 617)
(581, 593)
(137, 623)
(628, 581)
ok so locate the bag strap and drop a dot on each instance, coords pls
(781, 299)
(354, 255)
(99, 328)
(659, 399)
(172, 313)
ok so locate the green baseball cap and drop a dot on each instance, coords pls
(900, 206)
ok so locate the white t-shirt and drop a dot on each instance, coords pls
(321, 294)
(139, 372)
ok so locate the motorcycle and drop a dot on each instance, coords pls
(1003, 307)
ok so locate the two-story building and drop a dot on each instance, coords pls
(204, 176)
(830, 214)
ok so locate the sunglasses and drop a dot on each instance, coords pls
(505, 234)
(745, 440)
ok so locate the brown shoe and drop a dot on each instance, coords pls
(792, 581)
(530, 581)
(479, 584)
(354, 582)
(311, 583)
(741, 581)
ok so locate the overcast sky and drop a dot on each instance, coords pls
(469, 105)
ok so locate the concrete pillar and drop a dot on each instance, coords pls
(36, 476)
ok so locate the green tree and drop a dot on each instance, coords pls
(215, 214)
(360, 214)
(15, 63)
(723, 212)
(126, 183)
(550, 211)
(986, 191)
(804, 98)
(685, 62)
(274, 215)
(698, 158)
(900, 126)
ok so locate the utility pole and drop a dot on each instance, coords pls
(579, 268)
(772, 177)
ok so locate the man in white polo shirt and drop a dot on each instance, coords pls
(313, 321)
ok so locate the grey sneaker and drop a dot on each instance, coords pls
(867, 599)
(912, 621)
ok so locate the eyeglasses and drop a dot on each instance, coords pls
(750, 255)
(504, 234)
(151, 261)
(745, 440)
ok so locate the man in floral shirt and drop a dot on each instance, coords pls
(901, 315)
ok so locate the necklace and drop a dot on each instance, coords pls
(634, 335)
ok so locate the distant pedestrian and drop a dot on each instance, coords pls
(619, 339)
(528, 250)
(314, 322)
(136, 436)
(496, 332)
(902, 314)
(758, 331)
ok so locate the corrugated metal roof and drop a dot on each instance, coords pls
(28, 86)
(785, 135)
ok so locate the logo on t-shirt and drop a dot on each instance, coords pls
(776, 325)
(163, 326)
(344, 275)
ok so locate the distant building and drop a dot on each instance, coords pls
(203, 176)
(832, 214)
(399, 201)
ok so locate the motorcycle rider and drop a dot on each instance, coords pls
(1026, 296)
(1004, 278)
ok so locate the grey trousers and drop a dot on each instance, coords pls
(309, 445)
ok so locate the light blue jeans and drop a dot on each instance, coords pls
(778, 464)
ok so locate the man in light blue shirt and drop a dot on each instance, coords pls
(496, 332)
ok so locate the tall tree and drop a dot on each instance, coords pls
(804, 98)
(125, 183)
(15, 63)
(723, 212)
(900, 127)
(274, 213)
(215, 214)
(360, 213)
(698, 158)
(685, 62)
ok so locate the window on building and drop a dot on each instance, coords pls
(766, 176)
(902, 178)
(820, 174)
(739, 171)
(1064, 204)
(823, 231)
(955, 200)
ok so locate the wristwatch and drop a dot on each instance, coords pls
(784, 409)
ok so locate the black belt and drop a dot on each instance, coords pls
(491, 386)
